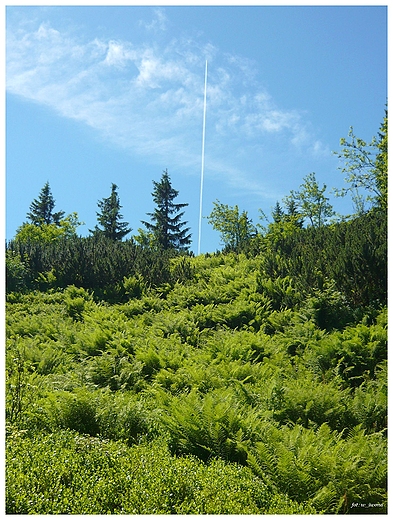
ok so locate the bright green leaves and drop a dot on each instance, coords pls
(366, 168)
(64, 473)
(226, 364)
(326, 470)
(235, 228)
(311, 202)
(45, 233)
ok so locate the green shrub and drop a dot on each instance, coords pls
(65, 473)
(280, 291)
(369, 405)
(324, 469)
(75, 410)
(121, 416)
(114, 369)
(134, 286)
(355, 352)
(328, 308)
(307, 401)
(21, 383)
(212, 425)
(204, 366)
(17, 272)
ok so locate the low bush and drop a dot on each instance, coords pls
(65, 473)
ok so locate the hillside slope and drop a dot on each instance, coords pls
(226, 392)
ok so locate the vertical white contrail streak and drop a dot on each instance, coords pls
(203, 163)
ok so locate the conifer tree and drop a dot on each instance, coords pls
(110, 217)
(277, 213)
(41, 209)
(166, 225)
(293, 215)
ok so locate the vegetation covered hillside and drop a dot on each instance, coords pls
(228, 391)
(143, 380)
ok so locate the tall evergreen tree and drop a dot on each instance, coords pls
(41, 209)
(110, 217)
(277, 213)
(166, 225)
(293, 215)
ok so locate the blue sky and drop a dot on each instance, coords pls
(101, 95)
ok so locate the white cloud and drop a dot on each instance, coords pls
(117, 54)
(149, 98)
(320, 150)
(159, 22)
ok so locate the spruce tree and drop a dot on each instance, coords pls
(166, 225)
(110, 217)
(293, 215)
(277, 213)
(41, 209)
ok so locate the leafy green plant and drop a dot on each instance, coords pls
(321, 468)
(67, 473)
(73, 410)
(132, 360)
(75, 300)
(280, 291)
(20, 382)
(17, 272)
(213, 425)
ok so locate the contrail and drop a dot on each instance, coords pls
(203, 163)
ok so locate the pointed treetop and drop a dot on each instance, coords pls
(41, 209)
(166, 224)
(109, 217)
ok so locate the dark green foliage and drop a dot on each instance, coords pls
(166, 225)
(353, 254)
(17, 273)
(41, 209)
(110, 217)
(95, 263)
(277, 213)
(75, 411)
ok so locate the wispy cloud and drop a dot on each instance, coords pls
(159, 22)
(148, 98)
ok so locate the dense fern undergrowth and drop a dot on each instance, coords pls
(231, 388)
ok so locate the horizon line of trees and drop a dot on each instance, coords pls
(165, 230)
(302, 241)
(365, 167)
